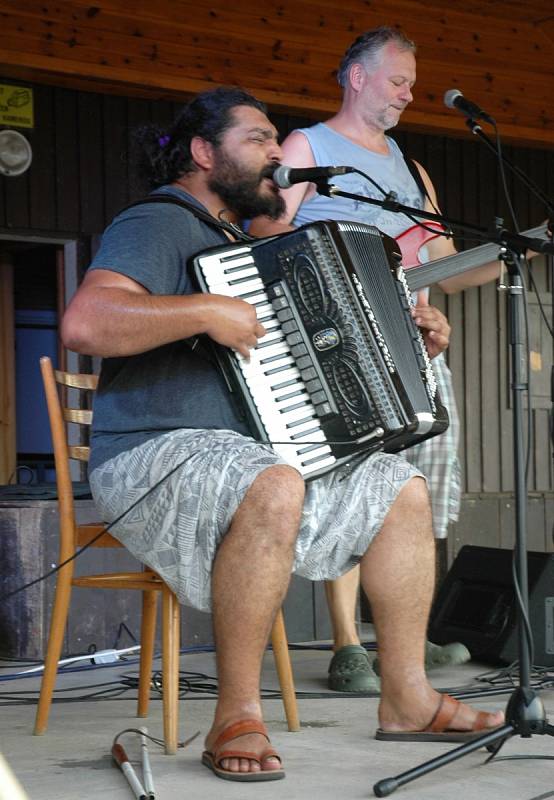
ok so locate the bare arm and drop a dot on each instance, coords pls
(296, 153)
(442, 247)
(113, 315)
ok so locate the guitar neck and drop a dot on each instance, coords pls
(435, 271)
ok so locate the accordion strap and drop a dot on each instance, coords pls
(228, 227)
(202, 345)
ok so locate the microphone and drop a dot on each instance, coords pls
(453, 98)
(285, 177)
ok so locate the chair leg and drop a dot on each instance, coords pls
(54, 649)
(284, 671)
(147, 636)
(170, 668)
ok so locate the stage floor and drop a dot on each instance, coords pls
(333, 756)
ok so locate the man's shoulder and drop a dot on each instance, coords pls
(159, 206)
(167, 216)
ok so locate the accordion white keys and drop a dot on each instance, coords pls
(342, 369)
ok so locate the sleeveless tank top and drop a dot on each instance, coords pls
(389, 171)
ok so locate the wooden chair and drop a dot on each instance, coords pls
(74, 536)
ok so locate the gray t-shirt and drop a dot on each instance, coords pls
(170, 387)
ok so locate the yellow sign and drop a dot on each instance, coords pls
(16, 106)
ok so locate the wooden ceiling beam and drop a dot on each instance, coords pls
(287, 51)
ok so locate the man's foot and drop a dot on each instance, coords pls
(439, 655)
(446, 655)
(250, 757)
(350, 670)
(450, 721)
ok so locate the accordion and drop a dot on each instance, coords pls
(342, 368)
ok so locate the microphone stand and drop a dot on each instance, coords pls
(475, 128)
(498, 235)
(525, 715)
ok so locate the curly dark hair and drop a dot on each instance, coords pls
(163, 156)
(366, 49)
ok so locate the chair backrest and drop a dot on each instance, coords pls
(60, 414)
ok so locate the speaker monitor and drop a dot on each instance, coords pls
(476, 605)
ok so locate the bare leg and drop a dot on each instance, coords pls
(397, 573)
(250, 578)
(342, 600)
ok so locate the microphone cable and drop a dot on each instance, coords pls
(447, 233)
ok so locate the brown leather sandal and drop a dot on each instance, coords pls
(213, 758)
(438, 729)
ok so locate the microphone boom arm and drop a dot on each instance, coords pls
(502, 237)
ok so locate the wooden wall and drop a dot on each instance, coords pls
(498, 52)
(81, 176)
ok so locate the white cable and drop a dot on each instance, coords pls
(99, 657)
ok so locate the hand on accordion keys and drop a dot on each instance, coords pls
(434, 325)
(233, 323)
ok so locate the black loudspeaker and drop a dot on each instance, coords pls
(476, 605)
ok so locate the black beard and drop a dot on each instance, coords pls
(240, 190)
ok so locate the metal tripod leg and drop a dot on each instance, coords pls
(388, 785)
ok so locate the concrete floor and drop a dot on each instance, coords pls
(333, 756)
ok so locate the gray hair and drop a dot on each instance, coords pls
(367, 49)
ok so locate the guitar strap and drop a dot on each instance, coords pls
(416, 175)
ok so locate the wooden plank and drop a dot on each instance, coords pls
(3, 205)
(455, 355)
(91, 155)
(268, 68)
(549, 522)
(67, 198)
(542, 451)
(126, 81)
(479, 524)
(138, 113)
(536, 533)
(17, 201)
(435, 165)
(485, 200)
(403, 7)
(322, 621)
(42, 176)
(298, 610)
(278, 39)
(490, 436)
(507, 522)
(472, 341)
(278, 31)
(115, 162)
(540, 350)
(453, 177)
(537, 166)
(8, 448)
(472, 404)
(164, 113)
(504, 409)
(345, 17)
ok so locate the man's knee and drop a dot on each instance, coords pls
(278, 496)
(413, 502)
(415, 492)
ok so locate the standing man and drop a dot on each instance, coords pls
(167, 440)
(377, 75)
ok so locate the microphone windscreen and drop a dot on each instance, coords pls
(450, 95)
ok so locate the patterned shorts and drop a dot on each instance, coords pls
(201, 476)
(437, 458)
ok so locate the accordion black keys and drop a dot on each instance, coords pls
(342, 368)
